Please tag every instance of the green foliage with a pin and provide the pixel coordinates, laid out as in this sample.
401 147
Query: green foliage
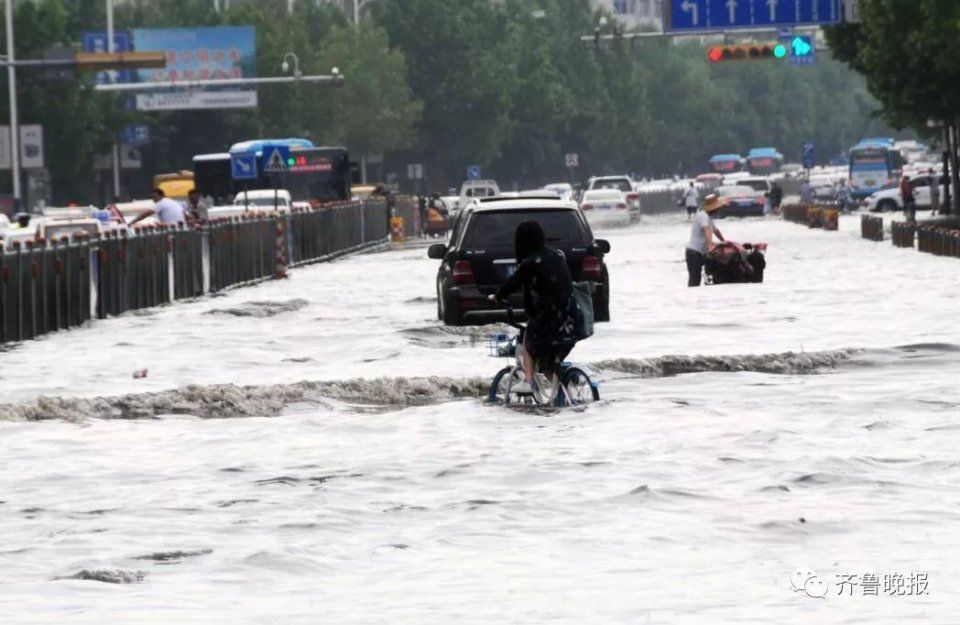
907 50
507 85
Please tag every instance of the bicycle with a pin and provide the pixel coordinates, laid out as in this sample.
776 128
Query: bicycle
556 383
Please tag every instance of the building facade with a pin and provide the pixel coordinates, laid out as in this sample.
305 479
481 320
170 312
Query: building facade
634 13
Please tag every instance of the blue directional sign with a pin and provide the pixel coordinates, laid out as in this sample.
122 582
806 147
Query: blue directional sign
243 166
473 172
801 50
701 15
97 42
807 155
136 134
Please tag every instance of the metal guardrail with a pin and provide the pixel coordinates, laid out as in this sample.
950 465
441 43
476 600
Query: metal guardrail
47 286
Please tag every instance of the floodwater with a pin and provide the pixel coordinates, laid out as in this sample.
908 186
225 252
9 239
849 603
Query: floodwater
744 432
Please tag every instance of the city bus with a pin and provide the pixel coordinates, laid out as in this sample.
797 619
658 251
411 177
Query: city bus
874 164
764 161
726 163
315 175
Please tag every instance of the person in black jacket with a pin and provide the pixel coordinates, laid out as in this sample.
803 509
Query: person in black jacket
547 298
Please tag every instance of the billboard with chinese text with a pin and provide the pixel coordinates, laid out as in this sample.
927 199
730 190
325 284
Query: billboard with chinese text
220 52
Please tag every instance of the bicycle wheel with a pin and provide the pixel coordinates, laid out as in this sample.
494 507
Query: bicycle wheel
500 387
547 388
578 388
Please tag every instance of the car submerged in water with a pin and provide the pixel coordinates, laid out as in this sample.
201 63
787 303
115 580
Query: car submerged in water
480 256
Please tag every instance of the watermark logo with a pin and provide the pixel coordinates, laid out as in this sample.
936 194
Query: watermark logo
806 580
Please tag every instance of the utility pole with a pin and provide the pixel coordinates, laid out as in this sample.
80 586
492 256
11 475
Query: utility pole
115 155
14 121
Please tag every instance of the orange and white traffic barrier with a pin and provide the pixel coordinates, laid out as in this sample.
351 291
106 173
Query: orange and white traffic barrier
396 229
280 270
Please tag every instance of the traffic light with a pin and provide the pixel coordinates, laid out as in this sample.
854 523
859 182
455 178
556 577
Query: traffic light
98 61
747 52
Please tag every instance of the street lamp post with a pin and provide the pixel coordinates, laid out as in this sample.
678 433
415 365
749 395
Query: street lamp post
115 152
14 121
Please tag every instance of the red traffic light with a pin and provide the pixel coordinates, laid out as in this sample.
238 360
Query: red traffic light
746 52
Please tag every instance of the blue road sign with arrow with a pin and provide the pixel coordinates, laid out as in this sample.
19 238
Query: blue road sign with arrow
699 15
807 155
473 172
243 166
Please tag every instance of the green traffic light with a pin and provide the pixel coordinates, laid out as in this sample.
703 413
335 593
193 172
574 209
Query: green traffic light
780 51
291 162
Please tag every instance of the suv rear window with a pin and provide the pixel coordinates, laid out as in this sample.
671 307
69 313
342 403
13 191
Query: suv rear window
496 229
756 185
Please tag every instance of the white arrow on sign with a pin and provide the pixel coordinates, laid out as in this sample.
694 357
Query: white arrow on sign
693 10
732 10
772 5
244 165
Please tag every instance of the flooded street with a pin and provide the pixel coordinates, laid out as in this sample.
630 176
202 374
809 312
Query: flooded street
743 432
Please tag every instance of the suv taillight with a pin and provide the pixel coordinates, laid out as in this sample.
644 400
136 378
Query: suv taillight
586 207
463 272
591 269
633 197
621 205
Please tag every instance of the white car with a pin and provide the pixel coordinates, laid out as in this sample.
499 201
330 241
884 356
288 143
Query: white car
606 207
563 189
624 184
264 199
890 199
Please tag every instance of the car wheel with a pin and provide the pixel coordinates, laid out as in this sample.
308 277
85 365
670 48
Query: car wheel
439 304
601 305
887 205
451 312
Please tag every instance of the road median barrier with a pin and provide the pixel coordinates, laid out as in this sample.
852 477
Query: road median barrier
902 233
871 227
50 285
795 213
939 241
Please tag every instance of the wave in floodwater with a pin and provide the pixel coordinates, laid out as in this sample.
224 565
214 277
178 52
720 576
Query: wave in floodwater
261 309
230 400
788 363
108 576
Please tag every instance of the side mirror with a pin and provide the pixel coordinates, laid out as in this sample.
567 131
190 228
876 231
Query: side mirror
437 251
602 245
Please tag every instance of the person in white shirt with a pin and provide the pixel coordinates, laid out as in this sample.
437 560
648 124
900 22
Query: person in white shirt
702 232
691 199
167 211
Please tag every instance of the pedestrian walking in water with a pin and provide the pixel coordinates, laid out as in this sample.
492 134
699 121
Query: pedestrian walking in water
691 199
776 198
702 231
934 192
909 201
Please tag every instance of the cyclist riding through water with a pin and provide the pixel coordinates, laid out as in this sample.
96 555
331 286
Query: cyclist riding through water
548 300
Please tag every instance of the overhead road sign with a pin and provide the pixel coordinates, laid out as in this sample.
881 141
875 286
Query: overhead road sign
276 158
718 15
801 50
243 166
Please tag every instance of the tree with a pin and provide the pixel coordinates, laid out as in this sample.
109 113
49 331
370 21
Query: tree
907 51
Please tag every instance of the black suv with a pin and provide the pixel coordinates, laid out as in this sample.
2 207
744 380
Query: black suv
480 256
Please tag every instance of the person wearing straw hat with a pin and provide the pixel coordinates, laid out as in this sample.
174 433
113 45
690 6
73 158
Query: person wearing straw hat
702 231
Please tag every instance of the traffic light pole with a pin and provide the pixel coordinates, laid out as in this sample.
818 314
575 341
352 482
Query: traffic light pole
14 120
